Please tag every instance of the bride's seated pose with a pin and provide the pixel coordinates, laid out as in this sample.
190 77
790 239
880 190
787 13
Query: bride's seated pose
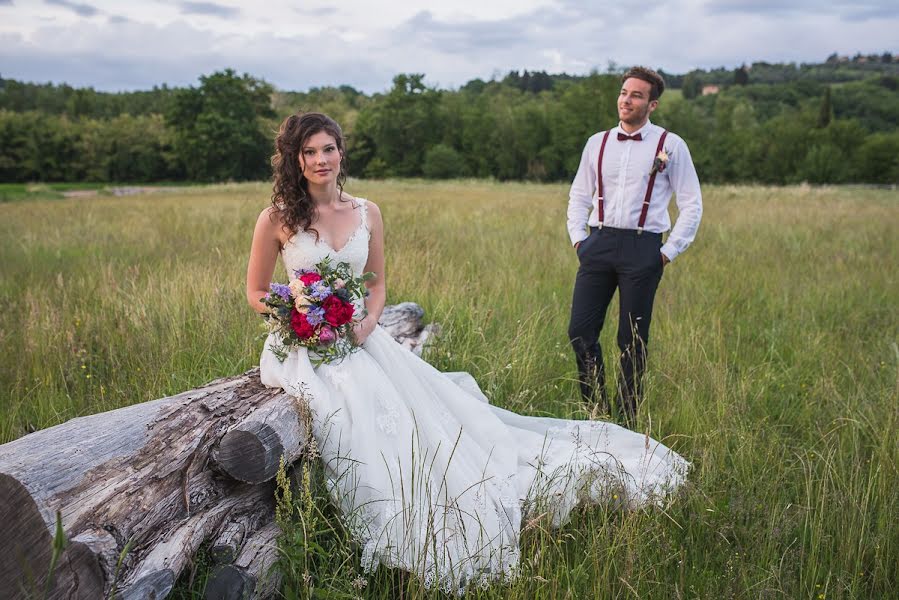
429 477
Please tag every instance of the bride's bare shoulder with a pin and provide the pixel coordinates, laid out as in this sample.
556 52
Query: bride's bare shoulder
271 224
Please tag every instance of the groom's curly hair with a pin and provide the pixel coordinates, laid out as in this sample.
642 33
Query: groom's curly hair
649 76
291 202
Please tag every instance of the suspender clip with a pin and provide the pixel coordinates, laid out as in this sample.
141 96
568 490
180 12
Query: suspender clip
639 230
599 226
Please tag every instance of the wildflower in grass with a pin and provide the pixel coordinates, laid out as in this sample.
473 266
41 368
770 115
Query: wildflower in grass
360 583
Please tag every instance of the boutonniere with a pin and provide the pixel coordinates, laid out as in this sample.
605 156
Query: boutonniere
660 162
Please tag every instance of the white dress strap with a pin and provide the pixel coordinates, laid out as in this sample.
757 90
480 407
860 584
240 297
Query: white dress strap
363 206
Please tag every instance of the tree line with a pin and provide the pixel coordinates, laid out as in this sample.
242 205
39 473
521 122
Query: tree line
525 126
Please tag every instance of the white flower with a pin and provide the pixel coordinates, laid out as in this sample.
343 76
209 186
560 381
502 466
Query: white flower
297 288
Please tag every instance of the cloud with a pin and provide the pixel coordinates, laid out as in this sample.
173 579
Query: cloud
319 11
209 9
463 36
850 10
177 54
83 10
451 48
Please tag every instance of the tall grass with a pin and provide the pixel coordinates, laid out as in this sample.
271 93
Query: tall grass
773 364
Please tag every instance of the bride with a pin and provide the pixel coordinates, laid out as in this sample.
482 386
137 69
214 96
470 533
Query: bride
431 478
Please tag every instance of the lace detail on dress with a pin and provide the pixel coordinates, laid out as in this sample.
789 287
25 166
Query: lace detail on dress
303 250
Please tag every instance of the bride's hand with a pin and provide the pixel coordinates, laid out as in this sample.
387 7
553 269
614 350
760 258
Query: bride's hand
362 330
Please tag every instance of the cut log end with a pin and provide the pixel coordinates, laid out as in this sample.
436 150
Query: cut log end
28 550
28 541
228 582
251 455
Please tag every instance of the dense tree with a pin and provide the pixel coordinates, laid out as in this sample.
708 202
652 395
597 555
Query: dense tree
443 162
218 127
692 86
825 114
402 124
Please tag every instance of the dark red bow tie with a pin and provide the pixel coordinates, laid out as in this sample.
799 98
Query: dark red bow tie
623 137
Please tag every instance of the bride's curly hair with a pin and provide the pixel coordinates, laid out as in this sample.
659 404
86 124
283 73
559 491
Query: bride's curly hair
291 202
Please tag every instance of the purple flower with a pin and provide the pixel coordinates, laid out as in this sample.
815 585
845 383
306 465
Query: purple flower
320 290
281 290
315 315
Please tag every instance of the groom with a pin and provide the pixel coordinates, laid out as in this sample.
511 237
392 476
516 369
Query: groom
617 212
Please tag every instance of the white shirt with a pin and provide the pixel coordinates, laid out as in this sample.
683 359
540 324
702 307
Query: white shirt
625 174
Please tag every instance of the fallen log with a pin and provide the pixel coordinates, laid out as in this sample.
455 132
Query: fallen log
122 475
141 478
253 449
156 574
227 545
403 322
251 575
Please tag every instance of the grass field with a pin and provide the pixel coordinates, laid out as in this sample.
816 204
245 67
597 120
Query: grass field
773 364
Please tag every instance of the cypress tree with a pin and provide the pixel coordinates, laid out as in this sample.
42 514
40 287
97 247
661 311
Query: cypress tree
826 113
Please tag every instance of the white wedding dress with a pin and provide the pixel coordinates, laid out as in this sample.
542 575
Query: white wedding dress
435 480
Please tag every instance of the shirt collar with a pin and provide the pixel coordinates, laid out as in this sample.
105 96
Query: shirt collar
644 131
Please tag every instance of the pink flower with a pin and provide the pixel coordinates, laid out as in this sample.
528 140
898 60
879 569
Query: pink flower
326 336
310 278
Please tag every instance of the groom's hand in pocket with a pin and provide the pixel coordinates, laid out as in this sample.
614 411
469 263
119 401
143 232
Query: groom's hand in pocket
665 259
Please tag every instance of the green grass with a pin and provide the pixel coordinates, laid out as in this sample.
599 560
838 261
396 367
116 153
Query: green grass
773 364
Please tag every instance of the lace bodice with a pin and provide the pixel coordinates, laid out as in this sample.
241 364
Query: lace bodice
303 251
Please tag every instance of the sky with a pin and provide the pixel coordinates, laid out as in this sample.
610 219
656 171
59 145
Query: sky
114 46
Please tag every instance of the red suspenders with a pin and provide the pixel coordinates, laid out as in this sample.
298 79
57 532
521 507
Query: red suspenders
649 186
602 149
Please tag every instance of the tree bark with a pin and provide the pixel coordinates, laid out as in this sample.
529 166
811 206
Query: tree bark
121 475
251 575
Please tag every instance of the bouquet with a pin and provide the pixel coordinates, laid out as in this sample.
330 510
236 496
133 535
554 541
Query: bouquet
317 310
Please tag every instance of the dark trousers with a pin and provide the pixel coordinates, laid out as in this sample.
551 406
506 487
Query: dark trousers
614 258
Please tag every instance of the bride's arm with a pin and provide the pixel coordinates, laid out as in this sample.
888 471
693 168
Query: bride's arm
377 287
263 255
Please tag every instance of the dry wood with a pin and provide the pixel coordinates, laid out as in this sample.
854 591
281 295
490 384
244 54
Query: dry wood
155 575
252 450
241 525
251 575
127 473
403 321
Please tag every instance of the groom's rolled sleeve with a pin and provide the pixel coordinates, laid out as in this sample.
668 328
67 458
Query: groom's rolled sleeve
685 184
580 198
